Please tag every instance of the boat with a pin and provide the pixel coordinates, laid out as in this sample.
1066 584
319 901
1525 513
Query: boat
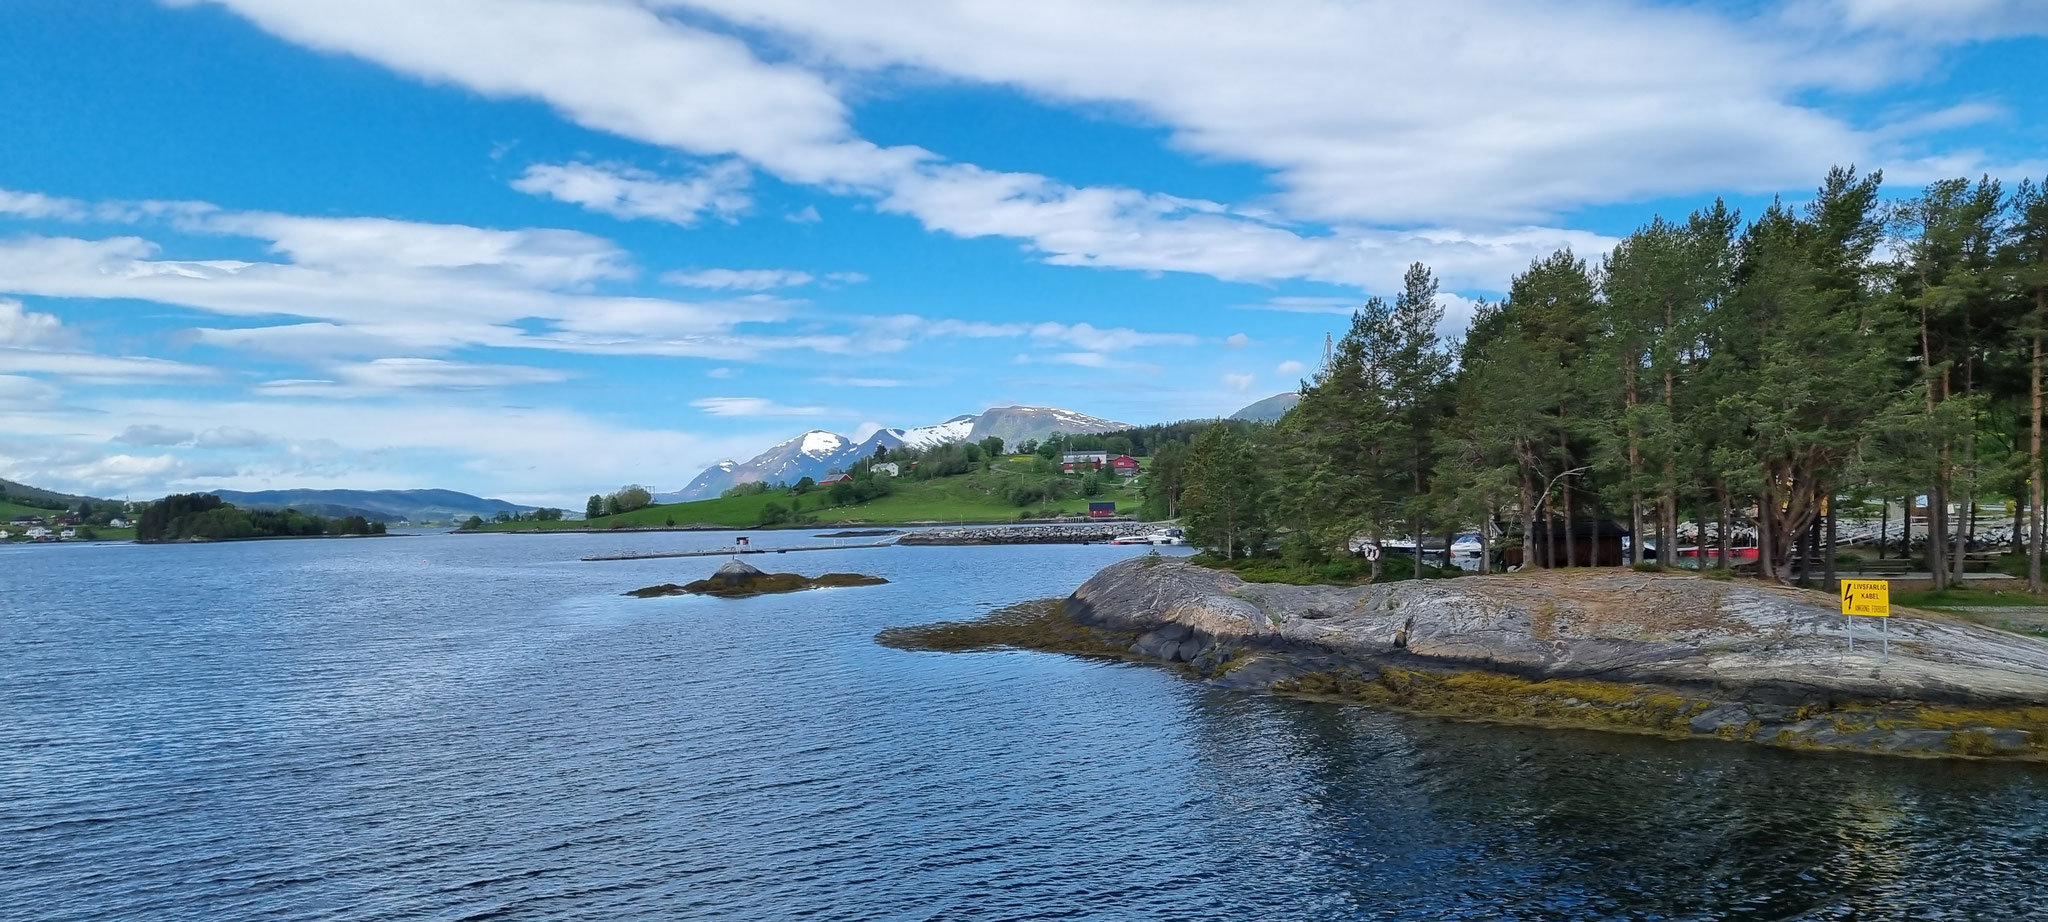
1162 537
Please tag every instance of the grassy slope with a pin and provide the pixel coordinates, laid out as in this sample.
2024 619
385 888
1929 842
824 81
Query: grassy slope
976 497
10 510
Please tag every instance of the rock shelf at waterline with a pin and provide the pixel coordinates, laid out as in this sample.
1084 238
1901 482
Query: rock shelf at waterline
737 579
1675 655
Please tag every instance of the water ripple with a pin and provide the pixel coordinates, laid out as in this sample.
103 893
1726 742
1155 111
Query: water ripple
481 728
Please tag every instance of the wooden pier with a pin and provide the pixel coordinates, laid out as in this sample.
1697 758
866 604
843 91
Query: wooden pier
736 551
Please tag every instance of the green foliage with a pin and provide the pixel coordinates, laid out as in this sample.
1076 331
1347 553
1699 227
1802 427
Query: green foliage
1229 495
203 516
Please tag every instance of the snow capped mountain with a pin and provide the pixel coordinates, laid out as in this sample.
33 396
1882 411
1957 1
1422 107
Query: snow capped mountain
815 453
952 430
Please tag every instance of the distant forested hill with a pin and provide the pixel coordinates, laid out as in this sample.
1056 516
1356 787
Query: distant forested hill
378 505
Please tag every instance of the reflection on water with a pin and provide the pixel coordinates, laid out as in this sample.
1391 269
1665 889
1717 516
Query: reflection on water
478 727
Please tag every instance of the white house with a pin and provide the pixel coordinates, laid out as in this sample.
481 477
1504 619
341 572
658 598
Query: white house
5 534
887 467
37 533
68 534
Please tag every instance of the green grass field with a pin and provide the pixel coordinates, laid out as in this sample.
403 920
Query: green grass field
975 498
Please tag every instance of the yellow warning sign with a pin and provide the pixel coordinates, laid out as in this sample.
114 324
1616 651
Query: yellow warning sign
1871 597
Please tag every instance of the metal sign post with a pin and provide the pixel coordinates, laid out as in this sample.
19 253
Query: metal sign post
1869 598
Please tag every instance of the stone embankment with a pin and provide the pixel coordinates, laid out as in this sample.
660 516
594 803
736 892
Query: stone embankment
1023 534
1608 649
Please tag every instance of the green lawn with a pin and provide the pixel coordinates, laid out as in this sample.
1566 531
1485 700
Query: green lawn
1968 598
10 510
979 497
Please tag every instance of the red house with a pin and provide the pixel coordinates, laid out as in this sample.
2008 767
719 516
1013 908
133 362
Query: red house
835 477
1125 465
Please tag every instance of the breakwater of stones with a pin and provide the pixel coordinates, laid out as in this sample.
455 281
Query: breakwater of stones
1021 534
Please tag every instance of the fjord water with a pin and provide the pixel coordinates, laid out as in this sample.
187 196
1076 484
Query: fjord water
482 727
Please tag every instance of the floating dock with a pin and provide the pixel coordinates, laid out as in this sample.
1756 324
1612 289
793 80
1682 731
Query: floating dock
731 551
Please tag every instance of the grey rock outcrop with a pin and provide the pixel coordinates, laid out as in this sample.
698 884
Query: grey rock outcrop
1740 641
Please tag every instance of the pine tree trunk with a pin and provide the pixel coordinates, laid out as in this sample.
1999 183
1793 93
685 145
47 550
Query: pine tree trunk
1528 519
1937 535
1571 556
1766 552
1486 544
1667 505
1828 553
2034 528
1721 533
1635 467
1884 524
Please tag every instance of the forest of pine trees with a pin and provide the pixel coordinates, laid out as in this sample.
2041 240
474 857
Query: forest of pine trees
1721 370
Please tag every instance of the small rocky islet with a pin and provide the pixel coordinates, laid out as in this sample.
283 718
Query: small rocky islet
737 579
1670 654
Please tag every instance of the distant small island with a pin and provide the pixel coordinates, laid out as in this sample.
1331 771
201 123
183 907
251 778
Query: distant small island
738 580
206 517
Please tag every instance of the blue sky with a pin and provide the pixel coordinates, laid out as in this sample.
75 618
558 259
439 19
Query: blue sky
541 248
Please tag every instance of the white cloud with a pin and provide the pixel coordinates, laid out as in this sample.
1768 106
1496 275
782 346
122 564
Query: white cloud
1295 304
617 67
805 215
628 193
1290 368
754 406
720 373
99 369
20 394
838 381
743 279
1944 20
232 437
477 444
1239 382
149 436
1480 109
20 327
1237 340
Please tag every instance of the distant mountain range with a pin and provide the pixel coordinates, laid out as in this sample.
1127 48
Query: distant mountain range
1269 409
376 505
815 453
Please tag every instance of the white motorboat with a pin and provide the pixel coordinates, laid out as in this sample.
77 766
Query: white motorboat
1162 537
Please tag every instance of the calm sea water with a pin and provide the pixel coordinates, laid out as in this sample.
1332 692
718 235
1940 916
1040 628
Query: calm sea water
481 727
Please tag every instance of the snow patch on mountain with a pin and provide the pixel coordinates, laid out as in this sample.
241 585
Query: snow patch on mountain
818 443
952 430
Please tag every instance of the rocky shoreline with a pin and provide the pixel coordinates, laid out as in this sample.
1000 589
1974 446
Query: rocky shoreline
1674 655
1022 534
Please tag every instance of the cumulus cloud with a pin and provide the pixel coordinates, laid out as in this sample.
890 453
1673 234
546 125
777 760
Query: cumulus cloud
1237 340
22 328
628 193
1239 382
1290 368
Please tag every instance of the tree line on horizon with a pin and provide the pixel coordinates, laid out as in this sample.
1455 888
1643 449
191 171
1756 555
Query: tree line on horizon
1708 369
187 516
